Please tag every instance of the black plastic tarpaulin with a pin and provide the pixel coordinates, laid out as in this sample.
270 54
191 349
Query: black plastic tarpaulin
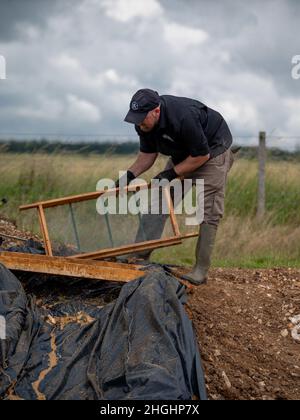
141 346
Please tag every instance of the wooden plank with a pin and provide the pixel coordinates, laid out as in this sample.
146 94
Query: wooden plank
142 246
190 235
47 259
172 212
78 198
127 249
69 267
16 238
44 229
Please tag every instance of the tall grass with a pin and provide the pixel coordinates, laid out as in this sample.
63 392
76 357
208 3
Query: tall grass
242 241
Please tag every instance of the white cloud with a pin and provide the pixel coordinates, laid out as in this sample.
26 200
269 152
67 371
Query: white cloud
240 113
82 110
125 10
112 76
181 37
66 62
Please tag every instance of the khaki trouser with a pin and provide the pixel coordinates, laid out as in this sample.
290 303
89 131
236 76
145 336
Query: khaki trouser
214 173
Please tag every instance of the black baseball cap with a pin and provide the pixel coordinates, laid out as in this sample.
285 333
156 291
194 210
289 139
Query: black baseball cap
142 102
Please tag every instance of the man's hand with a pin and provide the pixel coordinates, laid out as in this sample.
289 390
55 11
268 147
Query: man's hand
125 180
169 175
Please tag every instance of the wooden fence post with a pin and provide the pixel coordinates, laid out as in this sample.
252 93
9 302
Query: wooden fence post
262 156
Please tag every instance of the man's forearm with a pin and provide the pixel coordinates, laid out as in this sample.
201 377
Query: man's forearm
190 164
143 163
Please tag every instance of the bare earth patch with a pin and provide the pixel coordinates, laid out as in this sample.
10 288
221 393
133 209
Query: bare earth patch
246 336
14 235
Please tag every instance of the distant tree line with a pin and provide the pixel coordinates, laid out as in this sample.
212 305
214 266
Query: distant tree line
45 146
272 154
83 148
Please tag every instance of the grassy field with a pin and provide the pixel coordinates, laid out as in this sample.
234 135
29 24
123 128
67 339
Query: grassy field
242 240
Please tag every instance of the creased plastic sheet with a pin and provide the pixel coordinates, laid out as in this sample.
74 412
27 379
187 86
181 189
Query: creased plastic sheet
139 346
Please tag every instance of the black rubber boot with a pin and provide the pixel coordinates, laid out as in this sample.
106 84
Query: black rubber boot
204 249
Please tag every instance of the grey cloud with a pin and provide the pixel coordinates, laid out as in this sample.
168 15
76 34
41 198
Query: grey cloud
262 36
243 69
14 12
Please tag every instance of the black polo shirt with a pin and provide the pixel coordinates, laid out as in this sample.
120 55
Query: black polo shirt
186 128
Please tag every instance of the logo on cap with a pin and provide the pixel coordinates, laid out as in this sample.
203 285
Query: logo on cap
134 106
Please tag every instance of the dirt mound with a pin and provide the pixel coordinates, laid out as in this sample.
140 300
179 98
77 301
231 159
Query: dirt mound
247 339
11 236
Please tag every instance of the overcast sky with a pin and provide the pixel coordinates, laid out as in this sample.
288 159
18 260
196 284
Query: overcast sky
73 65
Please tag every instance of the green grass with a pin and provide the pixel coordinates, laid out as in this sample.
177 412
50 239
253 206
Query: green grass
242 241
258 263
282 192
183 255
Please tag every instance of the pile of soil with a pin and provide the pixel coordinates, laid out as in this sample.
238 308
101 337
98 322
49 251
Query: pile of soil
248 342
11 236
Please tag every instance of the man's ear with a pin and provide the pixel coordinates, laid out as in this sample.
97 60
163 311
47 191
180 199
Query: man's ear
157 111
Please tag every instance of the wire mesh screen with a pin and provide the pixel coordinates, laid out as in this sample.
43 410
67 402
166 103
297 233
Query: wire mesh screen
79 228
189 211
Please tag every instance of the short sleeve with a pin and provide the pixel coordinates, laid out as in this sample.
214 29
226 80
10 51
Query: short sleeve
193 135
147 142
